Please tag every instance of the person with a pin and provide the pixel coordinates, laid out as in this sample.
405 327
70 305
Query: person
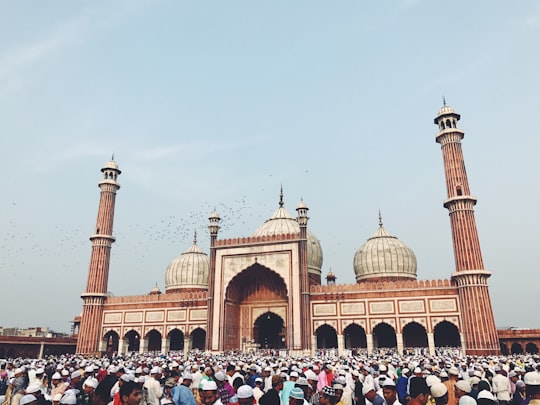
245 395
296 396
338 390
372 398
130 393
35 390
520 395
28 399
453 375
257 391
501 386
182 394
486 398
402 385
154 391
418 391
390 393
58 386
325 377
328 396
439 393
88 392
209 393
288 386
532 382
272 396
224 393
303 384
462 388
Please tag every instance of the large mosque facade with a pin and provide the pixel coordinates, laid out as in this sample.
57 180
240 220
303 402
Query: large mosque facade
266 290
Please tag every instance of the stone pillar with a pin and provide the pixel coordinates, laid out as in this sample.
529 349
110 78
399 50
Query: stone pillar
399 340
431 343
165 345
143 345
313 344
463 345
340 344
41 349
121 344
187 344
369 340
102 345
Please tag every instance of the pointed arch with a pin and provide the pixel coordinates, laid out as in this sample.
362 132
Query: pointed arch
112 340
446 334
133 340
256 281
198 338
326 337
414 335
531 348
154 340
176 339
355 336
516 348
384 335
269 331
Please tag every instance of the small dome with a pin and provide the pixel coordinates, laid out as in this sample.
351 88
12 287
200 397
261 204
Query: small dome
384 256
155 291
446 109
111 164
282 223
188 271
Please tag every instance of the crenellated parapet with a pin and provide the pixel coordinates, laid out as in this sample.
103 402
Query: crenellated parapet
169 297
382 286
251 240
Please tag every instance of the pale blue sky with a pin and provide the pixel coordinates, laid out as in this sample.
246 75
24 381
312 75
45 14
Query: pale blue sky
216 103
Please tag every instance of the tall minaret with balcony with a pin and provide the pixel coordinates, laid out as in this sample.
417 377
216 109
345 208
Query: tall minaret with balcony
478 324
98 273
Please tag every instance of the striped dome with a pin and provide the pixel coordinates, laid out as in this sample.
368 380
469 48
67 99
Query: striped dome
188 271
384 256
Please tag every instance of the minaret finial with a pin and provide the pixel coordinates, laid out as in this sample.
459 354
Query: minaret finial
380 219
281 196
444 101
195 237
112 157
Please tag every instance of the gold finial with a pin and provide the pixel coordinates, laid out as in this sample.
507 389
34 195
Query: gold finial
380 219
281 196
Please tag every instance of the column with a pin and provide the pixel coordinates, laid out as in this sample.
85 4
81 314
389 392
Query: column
313 344
102 345
187 344
143 345
340 344
399 340
369 339
41 349
165 345
463 345
121 343
431 343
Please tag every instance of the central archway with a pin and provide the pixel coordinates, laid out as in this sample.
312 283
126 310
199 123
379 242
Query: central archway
384 336
269 331
250 289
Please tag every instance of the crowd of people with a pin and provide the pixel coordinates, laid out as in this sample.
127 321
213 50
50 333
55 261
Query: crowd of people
253 379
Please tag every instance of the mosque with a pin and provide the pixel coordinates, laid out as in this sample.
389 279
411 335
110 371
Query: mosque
266 290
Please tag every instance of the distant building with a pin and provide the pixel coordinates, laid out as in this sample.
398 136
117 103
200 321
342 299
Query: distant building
265 290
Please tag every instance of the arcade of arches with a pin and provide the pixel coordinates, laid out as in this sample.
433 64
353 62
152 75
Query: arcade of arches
413 336
256 306
153 341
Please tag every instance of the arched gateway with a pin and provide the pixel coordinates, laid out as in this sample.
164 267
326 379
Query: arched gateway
256 305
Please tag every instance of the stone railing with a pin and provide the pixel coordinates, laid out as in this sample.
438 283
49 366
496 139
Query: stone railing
382 286
168 297
257 239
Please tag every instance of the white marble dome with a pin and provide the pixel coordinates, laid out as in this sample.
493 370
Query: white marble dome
188 271
383 256
282 223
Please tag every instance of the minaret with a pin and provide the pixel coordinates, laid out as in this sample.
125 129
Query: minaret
98 273
213 227
478 324
305 312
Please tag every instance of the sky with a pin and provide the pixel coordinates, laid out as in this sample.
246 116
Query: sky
216 104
